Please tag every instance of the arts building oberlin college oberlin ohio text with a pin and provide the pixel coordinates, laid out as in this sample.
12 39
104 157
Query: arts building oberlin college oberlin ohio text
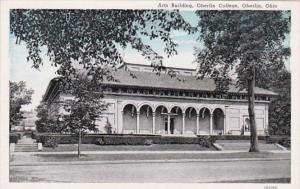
216 5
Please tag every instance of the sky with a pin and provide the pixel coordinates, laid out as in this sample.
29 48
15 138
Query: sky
38 80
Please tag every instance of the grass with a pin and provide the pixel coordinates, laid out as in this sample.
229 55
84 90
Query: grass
114 157
153 147
272 180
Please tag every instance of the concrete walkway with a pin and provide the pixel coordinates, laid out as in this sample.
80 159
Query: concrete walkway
150 152
143 161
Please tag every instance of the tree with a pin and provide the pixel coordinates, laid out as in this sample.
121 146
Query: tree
85 107
45 123
246 43
280 106
91 38
19 95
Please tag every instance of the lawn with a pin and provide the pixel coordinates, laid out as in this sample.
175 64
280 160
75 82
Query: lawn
147 156
153 147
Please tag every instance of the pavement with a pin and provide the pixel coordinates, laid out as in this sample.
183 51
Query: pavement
154 172
127 157
150 166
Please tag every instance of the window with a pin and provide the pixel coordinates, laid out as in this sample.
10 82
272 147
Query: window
115 90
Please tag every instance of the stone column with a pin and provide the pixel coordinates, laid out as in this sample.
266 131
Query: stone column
183 123
169 122
211 124
153 122
224 125
120 126
197 132
137 122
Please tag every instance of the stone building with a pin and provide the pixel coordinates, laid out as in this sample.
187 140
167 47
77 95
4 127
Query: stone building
143 102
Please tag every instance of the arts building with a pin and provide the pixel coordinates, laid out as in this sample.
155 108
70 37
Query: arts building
147 103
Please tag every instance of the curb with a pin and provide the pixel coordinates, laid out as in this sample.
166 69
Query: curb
147 152
147 161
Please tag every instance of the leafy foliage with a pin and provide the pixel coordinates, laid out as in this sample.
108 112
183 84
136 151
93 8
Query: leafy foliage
45 123
244 44
236 41
86 106
280 106
19 96
91 37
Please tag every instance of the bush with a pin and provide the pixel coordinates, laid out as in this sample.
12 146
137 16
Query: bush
50 142
205 141
148 142
100 141
33 134
286 142
119 139
13 138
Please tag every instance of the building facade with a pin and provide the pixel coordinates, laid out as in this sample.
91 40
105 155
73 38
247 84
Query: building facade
143 102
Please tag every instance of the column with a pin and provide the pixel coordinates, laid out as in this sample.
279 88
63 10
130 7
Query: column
169 122
211 124
137 122
153 122
224 125
183 123
120 122
197 132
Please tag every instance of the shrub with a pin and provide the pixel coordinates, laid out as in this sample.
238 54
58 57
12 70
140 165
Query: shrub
148 142
205 141
13 138
100 141
50 142
33 134
286 142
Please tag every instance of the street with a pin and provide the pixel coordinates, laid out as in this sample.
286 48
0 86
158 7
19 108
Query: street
184 172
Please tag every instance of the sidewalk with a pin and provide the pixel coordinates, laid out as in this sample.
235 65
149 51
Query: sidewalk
126 157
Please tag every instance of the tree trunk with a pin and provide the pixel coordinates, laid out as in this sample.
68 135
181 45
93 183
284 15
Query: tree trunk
251 111
79 142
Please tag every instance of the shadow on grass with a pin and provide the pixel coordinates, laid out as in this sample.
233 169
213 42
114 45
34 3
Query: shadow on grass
273 180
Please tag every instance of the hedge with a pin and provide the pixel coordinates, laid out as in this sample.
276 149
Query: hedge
119 139
236 137
13 138
283 140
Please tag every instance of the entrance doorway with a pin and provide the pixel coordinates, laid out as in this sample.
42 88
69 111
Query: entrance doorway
171 125
246 126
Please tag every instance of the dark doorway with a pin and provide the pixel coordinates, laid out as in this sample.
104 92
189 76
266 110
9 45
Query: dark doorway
171 125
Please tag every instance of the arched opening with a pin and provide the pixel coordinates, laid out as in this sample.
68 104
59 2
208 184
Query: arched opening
204 121
176 120
129 119
146 120
218 121
190 121
161 113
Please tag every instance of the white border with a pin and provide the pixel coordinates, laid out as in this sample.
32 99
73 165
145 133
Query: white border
294 6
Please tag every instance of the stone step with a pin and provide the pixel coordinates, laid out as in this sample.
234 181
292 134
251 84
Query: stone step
26 145
27 150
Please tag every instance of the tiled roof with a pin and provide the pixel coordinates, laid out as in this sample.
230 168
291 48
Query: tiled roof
164 81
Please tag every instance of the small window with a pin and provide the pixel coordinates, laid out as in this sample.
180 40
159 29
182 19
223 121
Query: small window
115 90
